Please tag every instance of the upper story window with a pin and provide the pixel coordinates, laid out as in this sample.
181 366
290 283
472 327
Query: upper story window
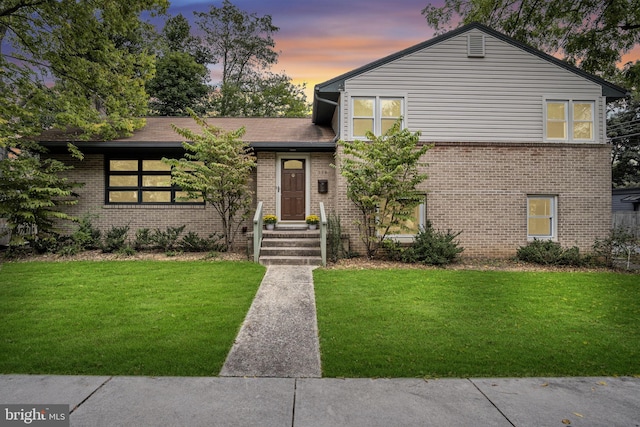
142 181
374 114
569 120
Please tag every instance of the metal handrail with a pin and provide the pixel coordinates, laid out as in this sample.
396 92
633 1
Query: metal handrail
323 234
257 233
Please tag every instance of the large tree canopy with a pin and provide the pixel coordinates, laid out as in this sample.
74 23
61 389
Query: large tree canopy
73 63
242 46
592 34
64 63
181 79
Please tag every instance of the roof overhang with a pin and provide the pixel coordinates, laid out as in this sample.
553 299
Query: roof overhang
163 146
633 198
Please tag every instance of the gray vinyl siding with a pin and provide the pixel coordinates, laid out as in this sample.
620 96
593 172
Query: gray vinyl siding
453 98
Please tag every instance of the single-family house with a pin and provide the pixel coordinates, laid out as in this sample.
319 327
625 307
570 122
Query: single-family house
519 149
625 199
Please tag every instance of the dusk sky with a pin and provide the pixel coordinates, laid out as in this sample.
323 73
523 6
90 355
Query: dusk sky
322 39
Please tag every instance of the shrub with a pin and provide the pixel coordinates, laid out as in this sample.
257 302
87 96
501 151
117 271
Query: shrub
335 250
87 236
115 239
548 252
393 249
192 242
44 243
621 242
167 240
143 239
158 239
433 247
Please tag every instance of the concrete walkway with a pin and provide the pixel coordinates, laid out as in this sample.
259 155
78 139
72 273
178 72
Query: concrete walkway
286 402
279 336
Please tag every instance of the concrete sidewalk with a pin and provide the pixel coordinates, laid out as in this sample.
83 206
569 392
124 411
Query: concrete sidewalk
279 336
198 401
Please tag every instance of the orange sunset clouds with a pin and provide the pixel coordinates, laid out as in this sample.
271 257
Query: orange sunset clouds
321 40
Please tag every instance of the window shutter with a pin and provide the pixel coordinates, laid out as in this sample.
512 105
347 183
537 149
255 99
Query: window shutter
475 45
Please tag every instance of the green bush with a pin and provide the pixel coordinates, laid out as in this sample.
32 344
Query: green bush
87 236
143 239
157 239
192 242
548 252
115 239
44 243
335 250
167 240
621 243
393 250
433 247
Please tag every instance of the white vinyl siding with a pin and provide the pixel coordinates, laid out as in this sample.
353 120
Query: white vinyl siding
454 98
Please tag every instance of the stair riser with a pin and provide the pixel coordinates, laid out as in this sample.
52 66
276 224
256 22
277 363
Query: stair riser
288 261
290 243
290 251
290 248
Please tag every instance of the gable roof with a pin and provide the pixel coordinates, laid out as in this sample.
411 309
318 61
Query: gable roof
260 133
326 94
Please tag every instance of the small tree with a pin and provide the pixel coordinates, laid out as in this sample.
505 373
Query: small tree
32 194
216 167
382 175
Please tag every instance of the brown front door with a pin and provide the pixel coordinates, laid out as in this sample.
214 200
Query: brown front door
293 191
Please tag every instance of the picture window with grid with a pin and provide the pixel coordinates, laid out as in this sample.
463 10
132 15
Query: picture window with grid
142 181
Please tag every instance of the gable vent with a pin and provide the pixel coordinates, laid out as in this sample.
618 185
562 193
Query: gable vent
475 45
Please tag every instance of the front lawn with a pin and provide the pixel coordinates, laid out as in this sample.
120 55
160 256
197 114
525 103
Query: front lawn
439 323
122 317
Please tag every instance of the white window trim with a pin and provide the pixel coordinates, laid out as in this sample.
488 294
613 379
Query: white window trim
570 101
377 119
554 217
409 238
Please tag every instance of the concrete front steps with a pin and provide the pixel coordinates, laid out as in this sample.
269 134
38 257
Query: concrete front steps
290 247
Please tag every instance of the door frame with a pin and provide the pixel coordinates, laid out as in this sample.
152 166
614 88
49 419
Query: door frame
307 181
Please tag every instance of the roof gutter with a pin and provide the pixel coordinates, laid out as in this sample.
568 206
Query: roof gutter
156 145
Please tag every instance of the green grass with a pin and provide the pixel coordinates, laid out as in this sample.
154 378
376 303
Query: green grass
122 317
438 323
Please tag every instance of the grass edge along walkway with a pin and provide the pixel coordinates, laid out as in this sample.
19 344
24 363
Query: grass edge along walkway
439 323
122 317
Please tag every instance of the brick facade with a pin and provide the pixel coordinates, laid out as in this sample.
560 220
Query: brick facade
479 189
199 219
482 189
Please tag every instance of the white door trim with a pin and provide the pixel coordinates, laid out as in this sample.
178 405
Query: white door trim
307 179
